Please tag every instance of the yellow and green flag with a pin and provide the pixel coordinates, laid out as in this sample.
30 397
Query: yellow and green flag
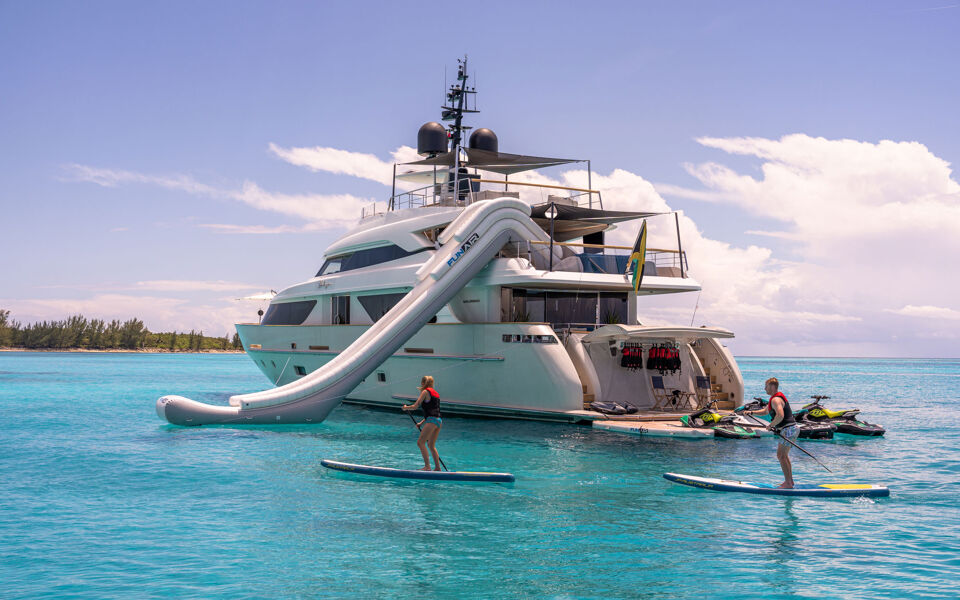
637 257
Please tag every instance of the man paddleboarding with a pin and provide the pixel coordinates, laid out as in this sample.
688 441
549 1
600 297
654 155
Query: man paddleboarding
430 426
783 423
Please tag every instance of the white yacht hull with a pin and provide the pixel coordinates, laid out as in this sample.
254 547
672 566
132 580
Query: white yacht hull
476 371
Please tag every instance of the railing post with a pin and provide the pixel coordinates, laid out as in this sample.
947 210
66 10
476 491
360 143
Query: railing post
553 217
393 189
590 183
676 218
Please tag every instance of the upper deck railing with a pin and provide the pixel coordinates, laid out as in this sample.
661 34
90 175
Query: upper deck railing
442 194
607 259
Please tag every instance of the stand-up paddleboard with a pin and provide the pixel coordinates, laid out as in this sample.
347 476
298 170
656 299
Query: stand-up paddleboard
828 490
474 476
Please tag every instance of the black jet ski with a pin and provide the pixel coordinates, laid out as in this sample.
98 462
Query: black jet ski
613 408
845 421
809 430
724 426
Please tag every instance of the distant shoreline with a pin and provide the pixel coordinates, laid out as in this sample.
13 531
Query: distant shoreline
123 350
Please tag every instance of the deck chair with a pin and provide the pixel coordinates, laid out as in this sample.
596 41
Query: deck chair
667 399
704 395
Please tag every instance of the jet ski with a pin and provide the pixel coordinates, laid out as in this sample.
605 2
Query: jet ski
613 408
724 426
809 430
845 421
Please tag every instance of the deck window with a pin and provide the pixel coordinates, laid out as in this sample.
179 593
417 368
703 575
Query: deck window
341 310
331 266
613 308
288 313
364 258
300 370
378 305
581 308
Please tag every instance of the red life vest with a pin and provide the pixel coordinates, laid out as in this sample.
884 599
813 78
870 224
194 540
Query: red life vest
787 412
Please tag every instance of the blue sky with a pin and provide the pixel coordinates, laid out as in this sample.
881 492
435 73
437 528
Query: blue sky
201 90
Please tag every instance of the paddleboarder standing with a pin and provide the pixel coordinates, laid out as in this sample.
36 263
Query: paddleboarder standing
429 401
783 423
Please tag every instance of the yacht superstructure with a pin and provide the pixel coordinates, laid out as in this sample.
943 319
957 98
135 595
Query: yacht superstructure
516 307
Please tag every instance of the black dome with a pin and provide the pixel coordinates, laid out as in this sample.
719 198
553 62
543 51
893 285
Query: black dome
431 139
484 139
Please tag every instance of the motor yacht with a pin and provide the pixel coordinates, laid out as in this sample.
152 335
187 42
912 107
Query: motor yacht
502 289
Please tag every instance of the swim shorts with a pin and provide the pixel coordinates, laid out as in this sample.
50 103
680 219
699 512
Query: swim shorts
791 432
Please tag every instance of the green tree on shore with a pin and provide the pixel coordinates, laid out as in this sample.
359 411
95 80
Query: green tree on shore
95 334
6 328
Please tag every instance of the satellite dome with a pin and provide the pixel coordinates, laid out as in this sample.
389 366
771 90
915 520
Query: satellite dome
484 139
431 139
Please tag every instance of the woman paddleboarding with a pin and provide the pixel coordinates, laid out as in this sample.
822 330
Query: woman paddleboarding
429 401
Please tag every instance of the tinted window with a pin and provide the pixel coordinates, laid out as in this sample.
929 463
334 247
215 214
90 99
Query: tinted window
613 307
563 307
364 258
330 266
571 307
288 313
377 306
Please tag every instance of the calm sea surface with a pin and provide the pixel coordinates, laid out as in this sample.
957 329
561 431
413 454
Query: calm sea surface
100 498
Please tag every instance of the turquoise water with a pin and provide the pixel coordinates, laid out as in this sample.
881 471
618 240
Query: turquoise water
101 499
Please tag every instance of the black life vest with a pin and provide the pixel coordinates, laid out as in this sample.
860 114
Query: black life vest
431 405
788 419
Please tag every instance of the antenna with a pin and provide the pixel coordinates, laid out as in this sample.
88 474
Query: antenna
457 103
453 109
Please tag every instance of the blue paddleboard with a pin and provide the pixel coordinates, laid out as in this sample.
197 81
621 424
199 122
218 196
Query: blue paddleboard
476 476
827 490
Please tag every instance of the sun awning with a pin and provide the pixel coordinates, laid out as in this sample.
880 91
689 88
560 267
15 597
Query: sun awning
572 222
567 212
637 332
507 164
496 162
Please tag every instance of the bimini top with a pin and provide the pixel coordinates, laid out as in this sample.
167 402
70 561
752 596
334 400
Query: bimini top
571 222
497 162
569 212
633 332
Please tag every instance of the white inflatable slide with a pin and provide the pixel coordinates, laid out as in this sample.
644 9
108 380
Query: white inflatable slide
466 246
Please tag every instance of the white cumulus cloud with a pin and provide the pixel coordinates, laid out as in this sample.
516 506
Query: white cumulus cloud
927 312
871 225
319 211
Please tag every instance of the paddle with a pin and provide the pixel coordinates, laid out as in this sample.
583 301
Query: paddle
779 435
417 425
